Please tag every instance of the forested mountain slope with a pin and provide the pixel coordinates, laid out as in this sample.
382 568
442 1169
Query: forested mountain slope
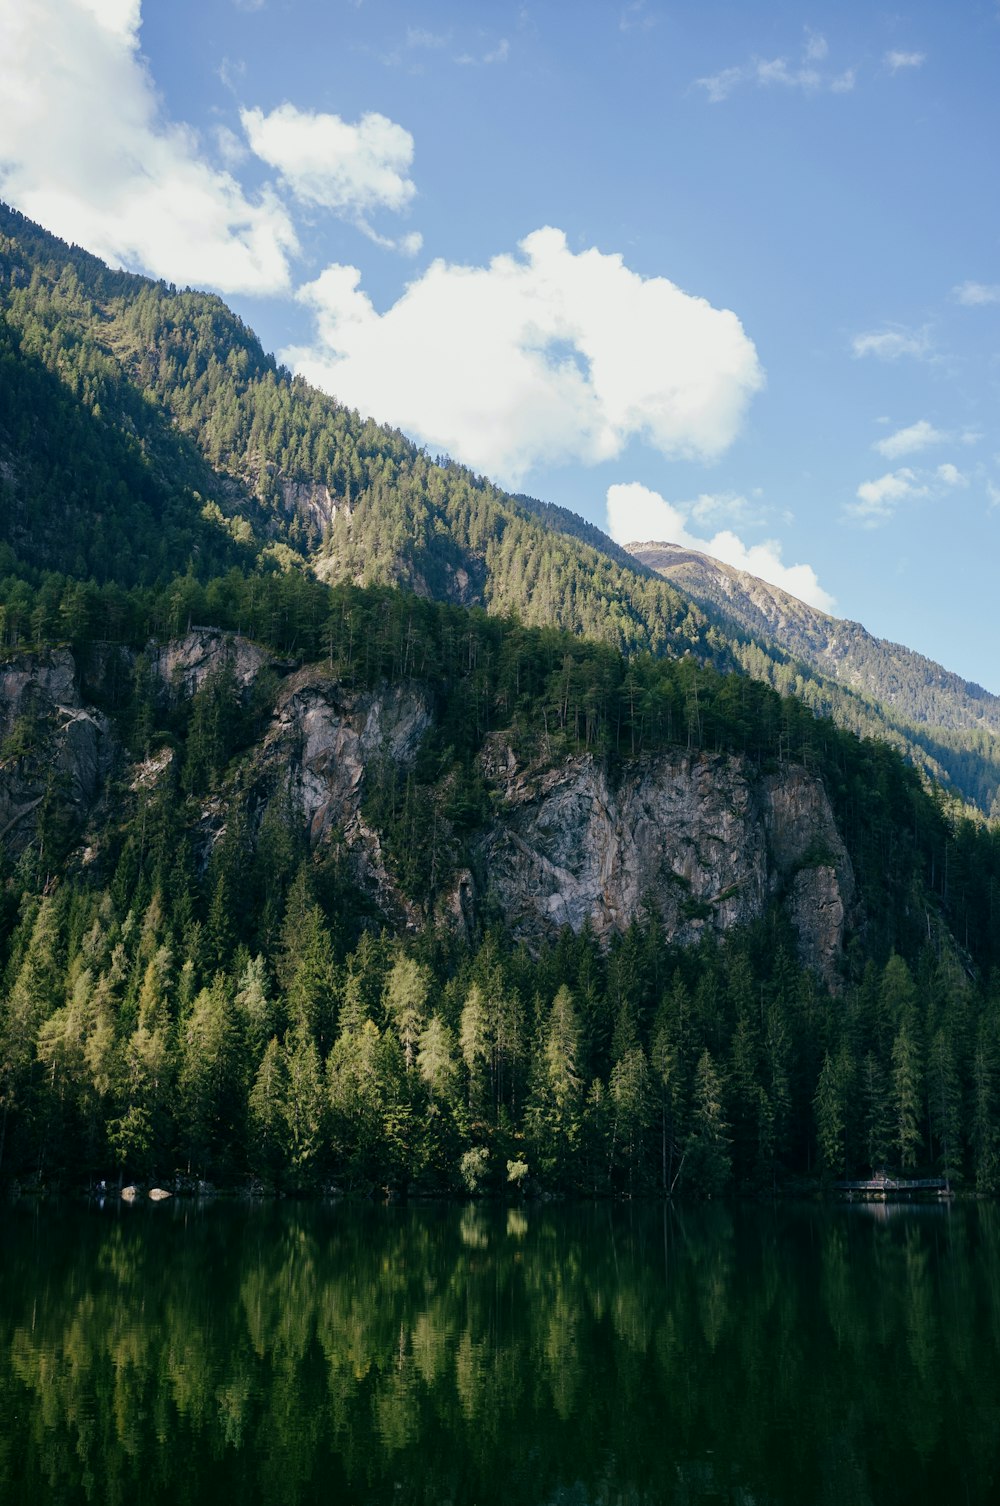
465 905
309 877
223 449
145 434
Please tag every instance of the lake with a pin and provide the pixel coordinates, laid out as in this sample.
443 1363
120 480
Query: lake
562 1354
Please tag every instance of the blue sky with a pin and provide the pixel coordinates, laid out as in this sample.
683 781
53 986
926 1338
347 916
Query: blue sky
721 273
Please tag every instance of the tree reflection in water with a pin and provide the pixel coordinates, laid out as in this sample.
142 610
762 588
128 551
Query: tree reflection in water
573 1355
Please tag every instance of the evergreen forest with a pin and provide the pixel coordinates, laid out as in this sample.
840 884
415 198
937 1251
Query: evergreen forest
192 991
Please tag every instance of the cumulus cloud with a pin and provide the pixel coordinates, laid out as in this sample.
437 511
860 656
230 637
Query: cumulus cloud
950 475
327 163
894 61
890 344
535 359
918 436
85 149
974 294
636 514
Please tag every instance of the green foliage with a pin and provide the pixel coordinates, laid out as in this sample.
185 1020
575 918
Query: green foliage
229 1003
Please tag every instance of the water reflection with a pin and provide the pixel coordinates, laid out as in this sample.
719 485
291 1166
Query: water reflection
486 1354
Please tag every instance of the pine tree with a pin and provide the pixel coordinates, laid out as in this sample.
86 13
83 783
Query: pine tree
709 1165
906 1098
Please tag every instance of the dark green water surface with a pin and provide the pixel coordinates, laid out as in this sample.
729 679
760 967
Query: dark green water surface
330 1353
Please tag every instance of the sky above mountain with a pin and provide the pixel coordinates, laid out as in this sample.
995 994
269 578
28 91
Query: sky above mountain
726 275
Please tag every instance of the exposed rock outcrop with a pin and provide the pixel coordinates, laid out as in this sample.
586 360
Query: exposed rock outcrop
321 746
54 750
704 841
184 664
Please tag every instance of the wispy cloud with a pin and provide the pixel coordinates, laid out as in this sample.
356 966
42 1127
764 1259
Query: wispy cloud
803 72
890 344
637 17
922 436
974 294
432 41
915 437
498 54
877 500
895 61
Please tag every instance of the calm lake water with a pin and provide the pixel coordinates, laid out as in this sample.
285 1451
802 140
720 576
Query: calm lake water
572 1355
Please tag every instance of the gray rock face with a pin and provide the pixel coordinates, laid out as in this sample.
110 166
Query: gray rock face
704 841
184 664
53 745
319 750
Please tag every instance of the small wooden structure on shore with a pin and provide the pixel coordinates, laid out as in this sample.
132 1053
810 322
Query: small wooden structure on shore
881 1185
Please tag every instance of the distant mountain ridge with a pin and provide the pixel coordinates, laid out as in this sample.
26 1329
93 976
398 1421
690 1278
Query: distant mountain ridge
889 672
917 696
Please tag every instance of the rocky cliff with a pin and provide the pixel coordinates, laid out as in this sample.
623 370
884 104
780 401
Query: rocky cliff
55 752
704 841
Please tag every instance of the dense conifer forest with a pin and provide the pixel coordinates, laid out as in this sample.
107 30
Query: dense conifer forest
237 1010
239 1013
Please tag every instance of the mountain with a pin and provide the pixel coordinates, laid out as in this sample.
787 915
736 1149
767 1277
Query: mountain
925 708
144 430
144 434
460 902
363 824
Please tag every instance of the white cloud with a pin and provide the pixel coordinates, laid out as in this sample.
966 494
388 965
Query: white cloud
498 54
729 507
231 149
538 359
327 163
719 86
894 61
974 294
803 73
993 492
85 149
637 17
417 36
844 82
918 436
636 515
890 344
878 500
